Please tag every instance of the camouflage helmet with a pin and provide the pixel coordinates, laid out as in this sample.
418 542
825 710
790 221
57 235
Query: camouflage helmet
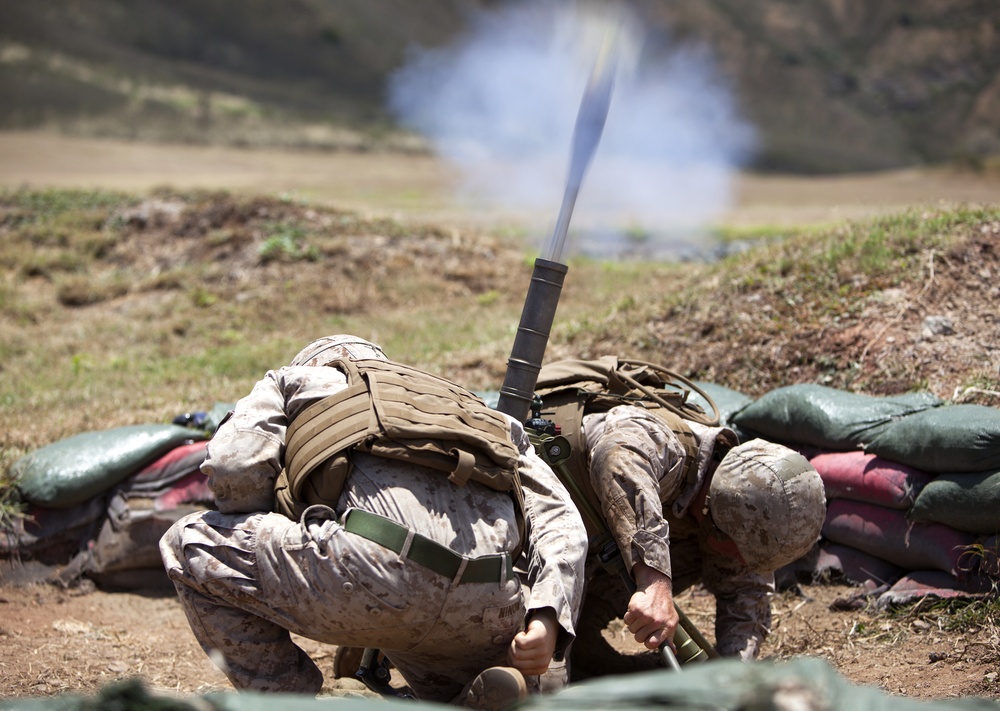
329 348
770 501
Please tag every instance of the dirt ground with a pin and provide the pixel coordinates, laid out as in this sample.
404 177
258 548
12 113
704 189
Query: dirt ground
56 640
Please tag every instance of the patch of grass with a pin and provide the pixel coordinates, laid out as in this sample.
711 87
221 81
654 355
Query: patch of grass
47 263
44 205
487 298
965 616
846 263
755 234
288 243
86 291
11 507
203 298
955 617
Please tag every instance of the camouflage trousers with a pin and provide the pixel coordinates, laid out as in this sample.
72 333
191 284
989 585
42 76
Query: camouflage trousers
247 581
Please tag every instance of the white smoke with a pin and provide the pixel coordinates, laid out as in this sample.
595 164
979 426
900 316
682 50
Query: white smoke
501 102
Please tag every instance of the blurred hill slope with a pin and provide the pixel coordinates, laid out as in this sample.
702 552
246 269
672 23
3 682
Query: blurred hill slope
832 85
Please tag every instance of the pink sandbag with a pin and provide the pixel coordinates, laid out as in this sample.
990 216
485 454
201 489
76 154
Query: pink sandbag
192 489
885 533
865 477
856 566
932 583
173 466
832 562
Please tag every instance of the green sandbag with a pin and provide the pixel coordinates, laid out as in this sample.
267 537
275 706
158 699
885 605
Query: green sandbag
73 470
215 416
728 401
945 440
819 416
733 685
967 502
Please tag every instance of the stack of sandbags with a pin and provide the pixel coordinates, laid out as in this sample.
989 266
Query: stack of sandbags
912 483
124 554
97 503
76 469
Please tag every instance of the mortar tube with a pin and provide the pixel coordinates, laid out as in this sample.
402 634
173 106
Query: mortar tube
525 360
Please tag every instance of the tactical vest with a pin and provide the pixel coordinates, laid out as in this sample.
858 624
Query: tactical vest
570 389
398 412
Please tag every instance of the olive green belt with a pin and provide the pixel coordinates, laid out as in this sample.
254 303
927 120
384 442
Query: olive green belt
428 553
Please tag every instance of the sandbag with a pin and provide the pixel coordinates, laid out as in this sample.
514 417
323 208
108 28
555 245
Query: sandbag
944 440
856 566
160 476
932 583
125 554
969 502
732 685
722 685
727 400
887 534
52 535
72 470
831 562
859 476
819 416
192 489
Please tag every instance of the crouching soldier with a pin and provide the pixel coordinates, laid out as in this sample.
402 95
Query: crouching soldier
365 503
684 502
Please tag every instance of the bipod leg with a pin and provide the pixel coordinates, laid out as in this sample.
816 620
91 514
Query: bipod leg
374 673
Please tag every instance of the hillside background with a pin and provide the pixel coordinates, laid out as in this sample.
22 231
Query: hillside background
830 85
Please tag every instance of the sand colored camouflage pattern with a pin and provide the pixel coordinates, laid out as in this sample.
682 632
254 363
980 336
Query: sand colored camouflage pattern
324 351
770 500
246 577
637 470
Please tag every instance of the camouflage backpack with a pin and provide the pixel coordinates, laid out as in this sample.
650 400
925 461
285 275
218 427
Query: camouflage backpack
569 389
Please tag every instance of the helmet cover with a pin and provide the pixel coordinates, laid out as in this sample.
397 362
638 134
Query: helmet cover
770 501
324 351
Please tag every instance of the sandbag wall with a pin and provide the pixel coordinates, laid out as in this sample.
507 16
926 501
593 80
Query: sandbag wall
912 483
97 503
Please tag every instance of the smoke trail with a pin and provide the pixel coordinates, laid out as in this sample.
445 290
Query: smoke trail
500 104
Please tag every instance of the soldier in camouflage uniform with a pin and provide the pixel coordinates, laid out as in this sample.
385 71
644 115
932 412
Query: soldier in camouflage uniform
730 520
247 576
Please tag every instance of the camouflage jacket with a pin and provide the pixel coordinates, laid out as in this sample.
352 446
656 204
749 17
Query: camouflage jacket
637 470
245 457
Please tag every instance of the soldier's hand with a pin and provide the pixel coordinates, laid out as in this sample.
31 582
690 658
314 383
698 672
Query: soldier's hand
531 650
651 616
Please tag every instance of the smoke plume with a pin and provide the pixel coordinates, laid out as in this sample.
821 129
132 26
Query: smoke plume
500 103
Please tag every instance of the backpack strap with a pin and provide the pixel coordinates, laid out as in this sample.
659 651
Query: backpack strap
326 427
566 409
682 430
320 437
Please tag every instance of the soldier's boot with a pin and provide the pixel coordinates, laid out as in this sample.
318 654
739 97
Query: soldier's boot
495 689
